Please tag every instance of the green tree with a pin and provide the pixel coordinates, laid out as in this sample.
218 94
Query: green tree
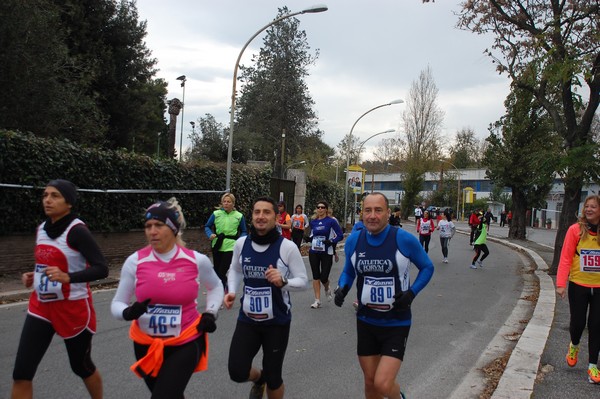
275 97
464 151
561 40
81 70
210 140
522 155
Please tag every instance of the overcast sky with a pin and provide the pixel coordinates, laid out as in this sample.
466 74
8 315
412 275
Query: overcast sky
371 51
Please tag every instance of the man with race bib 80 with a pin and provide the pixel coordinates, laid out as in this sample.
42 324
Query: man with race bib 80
270 267
379 257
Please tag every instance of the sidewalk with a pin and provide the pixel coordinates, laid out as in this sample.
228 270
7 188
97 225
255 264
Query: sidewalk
537 366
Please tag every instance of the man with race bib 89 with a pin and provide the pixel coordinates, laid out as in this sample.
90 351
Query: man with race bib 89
270 267
379 258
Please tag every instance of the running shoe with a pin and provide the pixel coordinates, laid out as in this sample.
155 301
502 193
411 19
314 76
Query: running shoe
355 305
594 375
572 355
473 266
316 304
329 294
445 260
257 391
480 263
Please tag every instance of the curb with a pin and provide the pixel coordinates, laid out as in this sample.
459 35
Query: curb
518 378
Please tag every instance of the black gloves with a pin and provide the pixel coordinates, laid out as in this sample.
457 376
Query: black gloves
134 311
403 300
327 242
339 295
207 323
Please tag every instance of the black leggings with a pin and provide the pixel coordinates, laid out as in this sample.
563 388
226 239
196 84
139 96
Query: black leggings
222 261
245 344
479 248
580 299
35 340
177 368
320 265
424 240
444 243
297 236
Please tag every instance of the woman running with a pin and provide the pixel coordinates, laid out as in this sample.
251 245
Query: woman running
425 227
67 258
580 265
299 223
447 230
168 333
480 243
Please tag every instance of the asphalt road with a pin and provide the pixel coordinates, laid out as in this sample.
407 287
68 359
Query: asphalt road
459 323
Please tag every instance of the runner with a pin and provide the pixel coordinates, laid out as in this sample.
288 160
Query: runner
270 267
580 264
168 333
223 227
299 223
284 222
425 227
67 258
325 232
447 230
480 243
473 224
385 294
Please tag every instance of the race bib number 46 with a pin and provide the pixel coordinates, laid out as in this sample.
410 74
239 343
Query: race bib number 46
161 320
589 261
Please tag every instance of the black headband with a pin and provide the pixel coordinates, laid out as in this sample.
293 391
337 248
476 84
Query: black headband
161 211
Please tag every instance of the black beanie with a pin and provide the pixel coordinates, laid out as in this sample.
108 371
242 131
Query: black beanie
66 188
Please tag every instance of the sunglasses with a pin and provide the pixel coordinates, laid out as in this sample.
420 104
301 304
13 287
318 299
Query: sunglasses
321 207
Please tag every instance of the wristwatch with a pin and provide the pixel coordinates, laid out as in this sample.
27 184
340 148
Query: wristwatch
283 280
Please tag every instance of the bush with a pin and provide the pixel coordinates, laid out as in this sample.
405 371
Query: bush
28 160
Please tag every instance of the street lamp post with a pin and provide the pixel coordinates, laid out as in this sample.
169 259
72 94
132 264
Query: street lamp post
314 9
458 185
369 138
183 80
348 154
193 134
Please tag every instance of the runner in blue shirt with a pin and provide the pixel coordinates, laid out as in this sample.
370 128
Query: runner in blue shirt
379 257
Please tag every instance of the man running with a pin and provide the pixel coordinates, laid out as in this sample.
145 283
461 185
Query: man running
380 257
270 267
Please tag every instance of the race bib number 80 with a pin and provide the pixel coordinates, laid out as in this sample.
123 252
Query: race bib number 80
258 303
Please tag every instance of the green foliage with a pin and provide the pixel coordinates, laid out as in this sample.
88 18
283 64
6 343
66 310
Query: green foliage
81 70
275 97
29 160
325 190
413 185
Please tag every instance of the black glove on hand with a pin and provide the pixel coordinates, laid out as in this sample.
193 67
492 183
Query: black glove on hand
340 293
207 323
134 311
403 300
327 242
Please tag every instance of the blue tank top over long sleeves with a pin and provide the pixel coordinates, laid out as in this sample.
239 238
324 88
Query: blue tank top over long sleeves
324 229
262 302
382 264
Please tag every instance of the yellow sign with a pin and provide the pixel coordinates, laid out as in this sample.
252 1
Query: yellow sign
356 179
468 195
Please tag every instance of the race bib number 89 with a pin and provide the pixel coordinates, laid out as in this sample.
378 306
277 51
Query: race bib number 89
378 293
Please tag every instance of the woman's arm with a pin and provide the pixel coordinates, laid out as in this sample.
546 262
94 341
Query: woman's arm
81 239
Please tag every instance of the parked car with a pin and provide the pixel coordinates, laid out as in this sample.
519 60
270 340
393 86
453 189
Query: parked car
433 211
445 209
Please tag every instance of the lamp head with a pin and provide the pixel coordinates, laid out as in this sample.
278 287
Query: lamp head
315 9
390 131
301 162
193 124
182 78
398 101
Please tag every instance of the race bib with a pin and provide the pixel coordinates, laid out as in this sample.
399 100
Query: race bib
378 293
161 320
318 244
297 224
258 303
47 291
589 260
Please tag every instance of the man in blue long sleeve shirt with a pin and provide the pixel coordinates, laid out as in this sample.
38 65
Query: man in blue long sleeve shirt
379 258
